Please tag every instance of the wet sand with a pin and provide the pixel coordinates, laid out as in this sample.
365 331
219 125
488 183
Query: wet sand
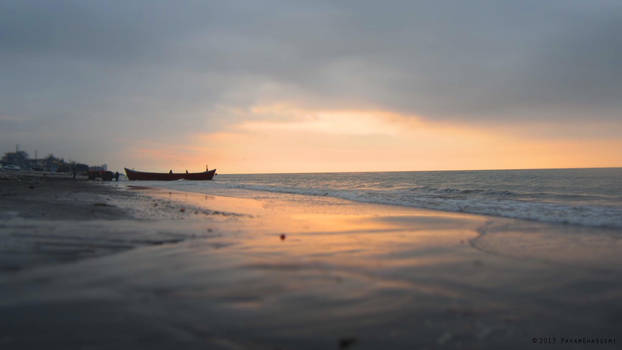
149 268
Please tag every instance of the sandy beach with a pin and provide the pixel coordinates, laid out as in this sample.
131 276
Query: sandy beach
122 266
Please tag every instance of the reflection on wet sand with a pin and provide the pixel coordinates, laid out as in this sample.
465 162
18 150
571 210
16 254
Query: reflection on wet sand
299 272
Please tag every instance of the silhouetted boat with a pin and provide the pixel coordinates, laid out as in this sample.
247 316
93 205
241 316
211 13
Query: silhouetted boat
141 175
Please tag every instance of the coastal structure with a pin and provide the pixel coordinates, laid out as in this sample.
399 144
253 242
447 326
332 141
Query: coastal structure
50 163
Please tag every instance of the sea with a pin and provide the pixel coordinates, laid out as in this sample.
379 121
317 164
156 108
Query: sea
586 197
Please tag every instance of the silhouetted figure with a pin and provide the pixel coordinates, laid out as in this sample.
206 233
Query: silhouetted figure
116 176
73 171
186 171
170 171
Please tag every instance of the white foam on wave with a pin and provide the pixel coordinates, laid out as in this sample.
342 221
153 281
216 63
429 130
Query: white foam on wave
497 205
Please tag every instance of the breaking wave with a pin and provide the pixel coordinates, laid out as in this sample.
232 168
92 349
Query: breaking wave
587 197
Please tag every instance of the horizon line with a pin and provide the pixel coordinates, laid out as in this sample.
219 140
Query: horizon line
414 171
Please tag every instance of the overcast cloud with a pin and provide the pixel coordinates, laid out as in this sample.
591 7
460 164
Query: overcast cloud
98 74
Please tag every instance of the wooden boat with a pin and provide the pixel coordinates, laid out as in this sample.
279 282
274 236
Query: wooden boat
141 175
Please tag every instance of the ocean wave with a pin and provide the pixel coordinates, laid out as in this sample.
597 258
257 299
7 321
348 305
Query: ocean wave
587 197
485 202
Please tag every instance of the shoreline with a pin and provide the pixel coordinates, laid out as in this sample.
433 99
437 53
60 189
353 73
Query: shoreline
51 220
561 203
299 272
566 251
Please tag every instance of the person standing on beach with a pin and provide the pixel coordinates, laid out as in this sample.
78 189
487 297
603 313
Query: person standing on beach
73 171
116 176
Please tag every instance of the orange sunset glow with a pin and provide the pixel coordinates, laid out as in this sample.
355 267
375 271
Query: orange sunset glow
282 138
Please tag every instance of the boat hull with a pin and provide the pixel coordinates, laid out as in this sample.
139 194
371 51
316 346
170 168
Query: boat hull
145 176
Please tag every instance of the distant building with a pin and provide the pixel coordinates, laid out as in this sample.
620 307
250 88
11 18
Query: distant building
49 163
102 167
19 158
81 168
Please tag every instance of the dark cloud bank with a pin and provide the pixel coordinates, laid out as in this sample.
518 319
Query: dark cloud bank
88 72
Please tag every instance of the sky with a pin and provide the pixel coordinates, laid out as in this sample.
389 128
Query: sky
312 86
